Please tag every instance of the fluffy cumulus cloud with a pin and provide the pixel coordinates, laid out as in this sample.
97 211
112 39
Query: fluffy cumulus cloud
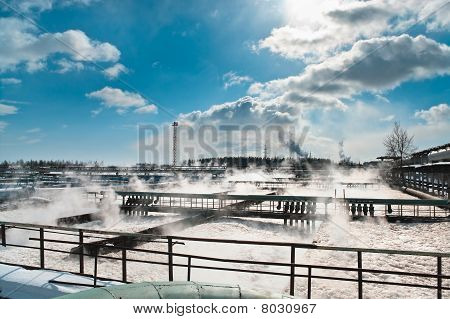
373 65
370 65
316 29
246 110
435 114
23 44
433 126
351 49
7 109
65 66
122 100
232 78
114 71
237 127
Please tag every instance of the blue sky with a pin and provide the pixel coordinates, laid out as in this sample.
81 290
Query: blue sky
58 102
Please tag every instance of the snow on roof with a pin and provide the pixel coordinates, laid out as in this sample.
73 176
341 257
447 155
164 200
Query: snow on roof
432 149
427 164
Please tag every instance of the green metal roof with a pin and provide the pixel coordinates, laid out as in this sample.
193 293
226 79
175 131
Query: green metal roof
172 290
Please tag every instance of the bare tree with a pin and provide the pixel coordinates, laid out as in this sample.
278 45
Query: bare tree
399 143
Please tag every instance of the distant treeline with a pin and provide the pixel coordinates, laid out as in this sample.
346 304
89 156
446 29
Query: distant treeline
237 162
309 163
34 164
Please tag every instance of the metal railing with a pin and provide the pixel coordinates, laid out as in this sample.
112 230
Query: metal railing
148 201
170 241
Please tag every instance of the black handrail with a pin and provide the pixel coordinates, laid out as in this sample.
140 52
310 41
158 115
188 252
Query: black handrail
171 240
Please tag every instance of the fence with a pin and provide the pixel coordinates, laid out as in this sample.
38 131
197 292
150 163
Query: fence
170 241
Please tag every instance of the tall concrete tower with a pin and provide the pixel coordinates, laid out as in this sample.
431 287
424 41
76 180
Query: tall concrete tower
174 146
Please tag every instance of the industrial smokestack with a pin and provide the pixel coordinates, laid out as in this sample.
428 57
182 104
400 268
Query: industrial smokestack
174 155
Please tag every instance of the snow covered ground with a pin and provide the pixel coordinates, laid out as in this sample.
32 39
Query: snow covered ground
382 235
337 231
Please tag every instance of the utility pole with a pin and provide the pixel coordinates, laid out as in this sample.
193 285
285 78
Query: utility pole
174 155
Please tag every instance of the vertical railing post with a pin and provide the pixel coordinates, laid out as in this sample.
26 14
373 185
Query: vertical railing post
309 281
3 235
292 283
360 291
439 279
124 265
95 265
41 246
170 251
189 269
81 245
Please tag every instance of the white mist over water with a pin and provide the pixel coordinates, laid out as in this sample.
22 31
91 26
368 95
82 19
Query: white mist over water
64 203
337 231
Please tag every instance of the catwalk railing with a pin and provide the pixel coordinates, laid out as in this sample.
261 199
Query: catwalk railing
283 206
434 280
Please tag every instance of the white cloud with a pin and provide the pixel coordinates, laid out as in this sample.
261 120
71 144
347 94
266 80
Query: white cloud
231 79
246 110
117 98
120 99
7 109
78 2
317 29
435 114
13 101
387 118
434 128
151 108
238 127
23 44
115 70
438 20
374 65
28 6
371 65
68 66
32 5
10 81
82 48
382 98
